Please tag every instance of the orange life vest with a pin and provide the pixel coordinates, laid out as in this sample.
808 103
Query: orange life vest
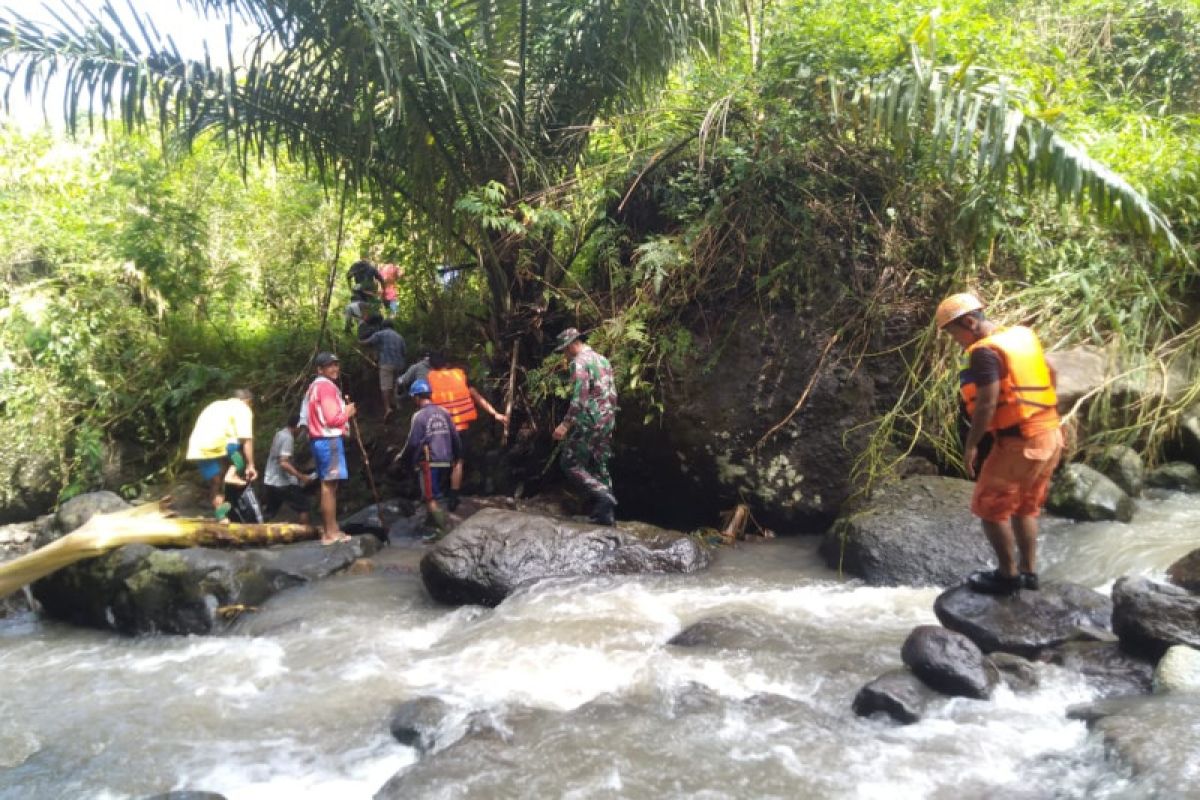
450 391
1027 397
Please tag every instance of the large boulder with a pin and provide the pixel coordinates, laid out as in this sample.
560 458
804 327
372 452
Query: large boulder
141 589
494 552
1158 736
1079 371
1179 476
1080 492
1123 466
899 694
917 532
1151 617
1186 572
1024 623
79 509
731 632
1178 672
947 662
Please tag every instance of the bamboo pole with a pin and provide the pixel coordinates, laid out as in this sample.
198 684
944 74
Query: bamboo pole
512 390
149 524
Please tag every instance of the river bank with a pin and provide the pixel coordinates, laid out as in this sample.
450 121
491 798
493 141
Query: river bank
578 692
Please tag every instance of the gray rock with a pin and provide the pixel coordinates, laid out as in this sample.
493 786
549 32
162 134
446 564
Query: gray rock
1178 672
1019 674
1123 466
899 694
1024 623
494 552
1179 476
917 532
140 589
415 723
1080 492
1151 617
1186 572
79 509
947 662
1110 671
728 632
1158 736
1079 371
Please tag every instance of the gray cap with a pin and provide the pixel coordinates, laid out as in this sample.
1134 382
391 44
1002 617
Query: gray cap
325 359
566 337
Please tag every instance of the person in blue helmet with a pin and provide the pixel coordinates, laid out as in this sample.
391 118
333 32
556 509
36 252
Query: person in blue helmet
433 447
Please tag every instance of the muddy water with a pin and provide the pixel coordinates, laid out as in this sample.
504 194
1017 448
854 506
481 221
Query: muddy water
583 696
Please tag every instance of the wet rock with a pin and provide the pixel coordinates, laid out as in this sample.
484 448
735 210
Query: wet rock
1123 466
415 723
947 662
1178 672
1019 674
1186 572
727 632
1080 371
917 532
899 694
1178 476
1108 669
1024 623
1151 617
1158 736
1080 492
494 552
79 509
377 519
141 589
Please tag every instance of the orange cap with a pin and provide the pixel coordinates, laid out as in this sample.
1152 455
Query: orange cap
954 307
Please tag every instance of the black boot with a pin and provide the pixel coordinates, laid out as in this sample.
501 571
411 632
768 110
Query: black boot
452 500
602 512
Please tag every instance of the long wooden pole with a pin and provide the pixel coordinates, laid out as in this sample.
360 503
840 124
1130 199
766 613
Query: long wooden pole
148 524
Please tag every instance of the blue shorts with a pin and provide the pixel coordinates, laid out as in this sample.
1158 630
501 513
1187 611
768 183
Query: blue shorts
432 479
331 458
211 467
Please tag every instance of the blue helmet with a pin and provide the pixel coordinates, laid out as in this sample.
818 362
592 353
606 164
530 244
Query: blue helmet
419 387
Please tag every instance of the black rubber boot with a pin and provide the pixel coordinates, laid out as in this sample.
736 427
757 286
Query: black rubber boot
993 581
452 500
1029 580
602 512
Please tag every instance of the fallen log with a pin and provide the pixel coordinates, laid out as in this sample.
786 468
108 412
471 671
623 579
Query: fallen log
151 524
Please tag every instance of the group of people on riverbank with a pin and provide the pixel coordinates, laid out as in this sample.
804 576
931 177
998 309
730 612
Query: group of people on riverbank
221 443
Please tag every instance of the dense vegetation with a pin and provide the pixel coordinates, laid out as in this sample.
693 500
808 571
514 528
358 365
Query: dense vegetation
727 155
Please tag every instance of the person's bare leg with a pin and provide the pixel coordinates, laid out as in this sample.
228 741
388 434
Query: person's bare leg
1000 535
456 476
330 531
1026 531
216 490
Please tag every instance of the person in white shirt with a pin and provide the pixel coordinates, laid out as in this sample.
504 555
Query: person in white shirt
284 482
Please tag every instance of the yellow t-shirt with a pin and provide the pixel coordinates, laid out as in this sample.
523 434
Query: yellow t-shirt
219 423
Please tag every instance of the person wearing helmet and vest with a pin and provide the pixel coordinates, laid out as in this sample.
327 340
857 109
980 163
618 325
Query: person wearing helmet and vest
450 390
586 430
1008 388
434 447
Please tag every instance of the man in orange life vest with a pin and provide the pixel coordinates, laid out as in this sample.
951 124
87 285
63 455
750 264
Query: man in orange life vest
449 389
1009 391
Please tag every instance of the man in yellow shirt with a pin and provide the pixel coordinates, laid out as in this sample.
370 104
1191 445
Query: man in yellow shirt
224 431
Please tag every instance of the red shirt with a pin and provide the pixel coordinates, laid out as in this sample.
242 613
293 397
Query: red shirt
326 410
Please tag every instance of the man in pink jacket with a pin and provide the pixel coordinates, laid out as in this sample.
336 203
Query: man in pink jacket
328 415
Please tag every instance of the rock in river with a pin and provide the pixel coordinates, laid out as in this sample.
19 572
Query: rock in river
1080 492
1157 735
1024 623
1186 572
947 662
1151 617
899 694
141 589
494 552
917 532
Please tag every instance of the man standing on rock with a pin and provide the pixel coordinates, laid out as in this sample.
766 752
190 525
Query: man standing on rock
224 431
434 447
1008 388
328 415
586 431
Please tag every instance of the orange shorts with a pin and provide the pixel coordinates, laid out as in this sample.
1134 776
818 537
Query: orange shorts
1015 476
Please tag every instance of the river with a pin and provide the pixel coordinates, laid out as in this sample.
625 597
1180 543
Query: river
583 695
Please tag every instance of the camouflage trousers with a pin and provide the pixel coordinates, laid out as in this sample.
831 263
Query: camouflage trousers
585 455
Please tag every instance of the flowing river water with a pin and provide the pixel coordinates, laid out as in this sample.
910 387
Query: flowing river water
581 694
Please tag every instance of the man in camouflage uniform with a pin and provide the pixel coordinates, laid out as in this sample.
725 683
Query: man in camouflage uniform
586 431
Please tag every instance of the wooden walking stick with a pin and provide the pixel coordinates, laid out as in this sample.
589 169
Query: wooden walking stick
366 459
512 388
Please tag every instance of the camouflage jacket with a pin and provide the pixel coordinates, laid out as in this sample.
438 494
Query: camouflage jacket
593 392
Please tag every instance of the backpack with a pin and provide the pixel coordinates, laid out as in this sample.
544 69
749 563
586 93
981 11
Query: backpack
246 508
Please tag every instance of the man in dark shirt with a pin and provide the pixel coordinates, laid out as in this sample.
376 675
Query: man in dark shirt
390 349
433 447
